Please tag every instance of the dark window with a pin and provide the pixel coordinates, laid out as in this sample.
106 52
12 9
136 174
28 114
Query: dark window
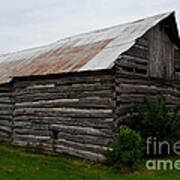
54 134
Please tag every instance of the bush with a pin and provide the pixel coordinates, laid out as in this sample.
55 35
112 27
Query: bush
27 147
156 119
38 148
126 150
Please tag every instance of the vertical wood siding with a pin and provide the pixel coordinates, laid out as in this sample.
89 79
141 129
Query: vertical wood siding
161 54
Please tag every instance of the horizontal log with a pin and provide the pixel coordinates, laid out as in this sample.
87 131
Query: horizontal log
138 52
86 147
34 126
4 113
6 117
80 104
5 100
142 89
130 58
59 119
65 80
91 87
4 135
81 139
5 123
84 122
31 139
86 139
2 95
70 95
143 42
6 108
80 153
122 80
6 105
136 90
134 98
22 142
54 113
5 129
81 130
133 64
131 76
30 132
73 130
4 90
129 71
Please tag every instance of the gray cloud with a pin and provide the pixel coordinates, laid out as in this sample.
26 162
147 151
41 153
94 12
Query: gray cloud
32 23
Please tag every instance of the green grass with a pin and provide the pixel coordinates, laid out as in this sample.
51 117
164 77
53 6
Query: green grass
15 164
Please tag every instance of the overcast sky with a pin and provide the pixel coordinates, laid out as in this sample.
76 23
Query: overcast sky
29 23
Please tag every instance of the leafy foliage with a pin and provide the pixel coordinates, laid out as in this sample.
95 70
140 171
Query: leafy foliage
27 147
156 119
127 148
38 148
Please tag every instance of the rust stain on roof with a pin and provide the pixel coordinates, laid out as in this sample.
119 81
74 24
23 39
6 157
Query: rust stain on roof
67 59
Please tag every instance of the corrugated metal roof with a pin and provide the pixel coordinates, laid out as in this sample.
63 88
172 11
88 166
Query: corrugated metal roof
85 52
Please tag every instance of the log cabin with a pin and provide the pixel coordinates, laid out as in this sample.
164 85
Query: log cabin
73 95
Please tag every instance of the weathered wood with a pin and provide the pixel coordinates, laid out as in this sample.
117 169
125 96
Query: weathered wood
177 62
81 104
79 108
136 51
87 139
55 113
80 153
87 147
143 41
5 112
91 77
54 96
99 123
81 130
65 89
161 54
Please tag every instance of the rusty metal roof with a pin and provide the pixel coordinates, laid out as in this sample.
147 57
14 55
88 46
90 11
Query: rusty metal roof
85 52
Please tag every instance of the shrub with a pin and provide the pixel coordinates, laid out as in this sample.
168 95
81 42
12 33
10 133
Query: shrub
27 147
127 148
156 119
38 148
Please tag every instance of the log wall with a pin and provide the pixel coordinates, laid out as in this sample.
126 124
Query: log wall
6 108
72 113
135 61
142 78
133 89
177 63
